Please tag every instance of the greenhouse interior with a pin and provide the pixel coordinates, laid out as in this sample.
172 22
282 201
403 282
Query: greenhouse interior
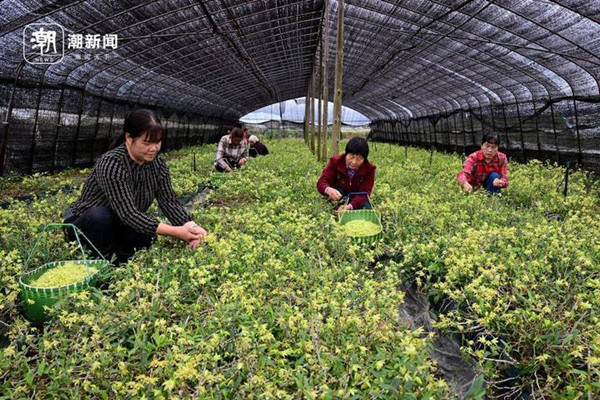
285 199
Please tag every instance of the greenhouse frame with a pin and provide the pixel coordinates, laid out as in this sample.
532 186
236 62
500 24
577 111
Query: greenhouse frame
443 281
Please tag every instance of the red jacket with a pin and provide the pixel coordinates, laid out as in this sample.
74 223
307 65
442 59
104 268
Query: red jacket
475 169
335 175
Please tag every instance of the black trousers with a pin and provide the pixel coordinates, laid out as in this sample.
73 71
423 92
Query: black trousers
231 165
104 229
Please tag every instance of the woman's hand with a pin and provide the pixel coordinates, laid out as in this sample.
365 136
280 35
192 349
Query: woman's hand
333 194
196 242
343 207
498 183
195 229
467 187
189 232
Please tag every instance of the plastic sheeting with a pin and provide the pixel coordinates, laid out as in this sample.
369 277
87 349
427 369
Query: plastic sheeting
293 111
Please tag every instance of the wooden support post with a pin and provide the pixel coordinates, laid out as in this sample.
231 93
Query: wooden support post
579 153
35 127
97 127
74 148
339 70
455 136
319 110
325 82
57 131
505 124
523 154
311 113
537 131
110 126
313 131
464 131
165 134
554 129
471 118
8 119
306 114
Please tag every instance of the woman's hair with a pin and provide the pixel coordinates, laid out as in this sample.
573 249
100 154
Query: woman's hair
140 122
358 145
492 138
237 133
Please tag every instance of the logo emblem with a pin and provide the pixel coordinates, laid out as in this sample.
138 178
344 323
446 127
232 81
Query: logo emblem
43 43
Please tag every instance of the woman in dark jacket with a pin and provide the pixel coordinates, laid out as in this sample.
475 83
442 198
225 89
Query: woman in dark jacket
349 172
123 184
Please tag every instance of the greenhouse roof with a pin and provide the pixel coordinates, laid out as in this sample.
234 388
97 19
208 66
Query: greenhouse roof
402 59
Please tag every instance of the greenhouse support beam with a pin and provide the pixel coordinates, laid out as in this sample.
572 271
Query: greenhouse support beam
311 114
319 106
422 133
310 111
306 114
57 130
165 133
566 179
447 130
579 154
429 135
178 137
537 131
555 133
456 134
6 122
521 133
35 127
204 124
96 128
325 81
481 122
81 99
339 70
187 132
464 132
112 116
495 128
473 139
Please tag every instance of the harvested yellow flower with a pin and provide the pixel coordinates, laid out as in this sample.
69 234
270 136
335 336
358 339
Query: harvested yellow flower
62 275
360 227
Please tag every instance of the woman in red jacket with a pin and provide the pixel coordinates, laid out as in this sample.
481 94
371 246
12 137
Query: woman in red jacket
347 173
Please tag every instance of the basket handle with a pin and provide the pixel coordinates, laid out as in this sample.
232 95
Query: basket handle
368 199
359 194
77 233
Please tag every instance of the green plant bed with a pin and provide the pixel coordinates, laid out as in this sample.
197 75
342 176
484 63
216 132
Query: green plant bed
364 215
217 179
35 299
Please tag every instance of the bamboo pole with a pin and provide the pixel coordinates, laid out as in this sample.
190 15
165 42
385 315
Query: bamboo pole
325 82
339 69
313 111
320 106
306 115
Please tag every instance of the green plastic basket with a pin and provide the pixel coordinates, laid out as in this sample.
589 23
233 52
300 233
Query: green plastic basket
35 299
367 215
